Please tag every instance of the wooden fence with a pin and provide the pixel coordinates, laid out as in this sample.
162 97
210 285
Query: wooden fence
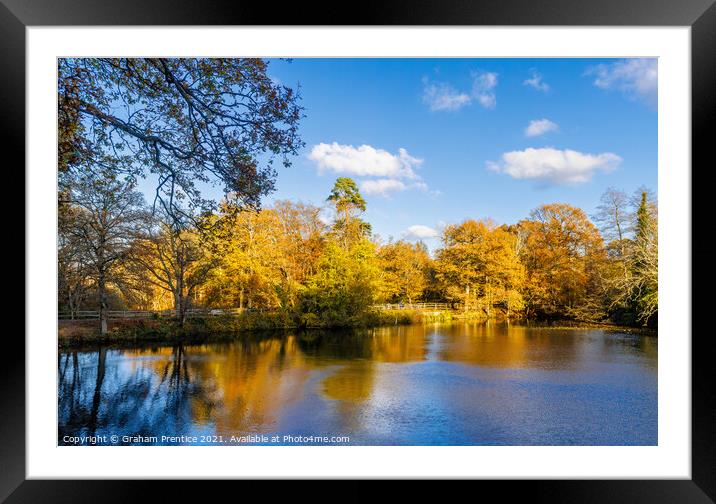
215 312
150 314
415 306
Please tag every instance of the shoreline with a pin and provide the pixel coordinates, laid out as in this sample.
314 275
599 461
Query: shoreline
127 332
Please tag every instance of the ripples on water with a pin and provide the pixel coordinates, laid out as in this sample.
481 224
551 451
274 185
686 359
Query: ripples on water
458 384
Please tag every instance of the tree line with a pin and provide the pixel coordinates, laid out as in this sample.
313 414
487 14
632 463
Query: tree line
189 123
117 252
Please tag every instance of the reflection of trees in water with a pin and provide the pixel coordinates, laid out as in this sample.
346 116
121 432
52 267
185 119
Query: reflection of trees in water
507 345
352 382
80 391
511 346
338 344
176 370
143 400
400 344
256 379
247 385
649 345
259 377
358 355
97 396
383 344
178 396
69 401
176 388
615 345
350 386
234 388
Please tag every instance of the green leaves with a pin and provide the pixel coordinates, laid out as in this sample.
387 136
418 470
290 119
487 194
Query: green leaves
346 196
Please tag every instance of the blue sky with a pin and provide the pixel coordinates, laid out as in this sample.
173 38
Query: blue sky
435 141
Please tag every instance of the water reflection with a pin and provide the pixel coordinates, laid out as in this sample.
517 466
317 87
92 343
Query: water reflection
419 384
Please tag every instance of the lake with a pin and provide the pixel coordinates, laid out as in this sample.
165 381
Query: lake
450 384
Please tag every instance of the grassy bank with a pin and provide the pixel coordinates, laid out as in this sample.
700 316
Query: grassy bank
83 332
575 324
73 333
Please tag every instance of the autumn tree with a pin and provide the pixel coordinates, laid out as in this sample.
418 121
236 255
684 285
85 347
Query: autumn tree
478 265
106 213
564 255
347 281
344 287
74 268
264 257
303 238
404 270
188 121
249 252
174 258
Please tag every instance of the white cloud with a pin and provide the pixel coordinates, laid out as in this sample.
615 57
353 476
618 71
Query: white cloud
637 78
364 161
441 96
484 81
382 186
554 165
391 172
487 100
483 88
540 127
536 82
385 186
423 187
420 232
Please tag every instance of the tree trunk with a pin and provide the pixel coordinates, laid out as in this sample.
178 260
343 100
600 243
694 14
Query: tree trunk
467 296
346 230
179 307
102 290
71 304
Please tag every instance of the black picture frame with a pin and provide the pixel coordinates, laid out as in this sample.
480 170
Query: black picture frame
700 15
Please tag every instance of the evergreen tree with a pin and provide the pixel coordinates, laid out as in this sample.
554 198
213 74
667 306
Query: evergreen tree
349 204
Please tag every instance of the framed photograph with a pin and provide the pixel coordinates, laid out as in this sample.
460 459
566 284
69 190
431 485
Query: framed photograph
420 243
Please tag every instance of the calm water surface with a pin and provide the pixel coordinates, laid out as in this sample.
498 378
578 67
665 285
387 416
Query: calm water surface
456 384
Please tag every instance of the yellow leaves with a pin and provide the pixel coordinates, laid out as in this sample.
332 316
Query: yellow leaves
554 264
564 254
266 255
404 269
479 266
